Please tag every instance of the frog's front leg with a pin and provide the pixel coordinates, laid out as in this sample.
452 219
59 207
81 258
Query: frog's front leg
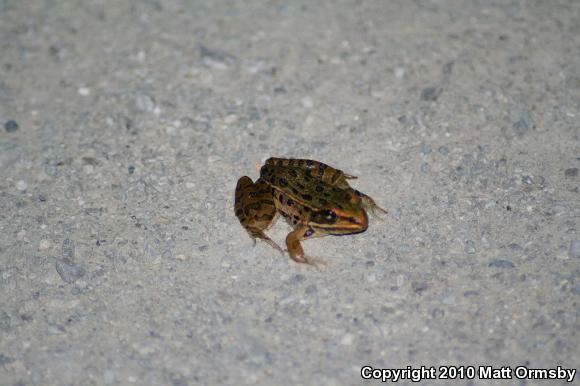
255 208
369 204
295 248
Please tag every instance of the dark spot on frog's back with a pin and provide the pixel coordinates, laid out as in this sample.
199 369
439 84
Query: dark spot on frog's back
319 188
322 201
290 202
309 162
283 182
307 197
292 173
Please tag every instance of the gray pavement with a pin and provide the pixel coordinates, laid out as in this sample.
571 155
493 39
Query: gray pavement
124 126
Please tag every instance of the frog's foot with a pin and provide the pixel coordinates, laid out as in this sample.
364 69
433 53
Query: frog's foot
349 176
268 241
313 261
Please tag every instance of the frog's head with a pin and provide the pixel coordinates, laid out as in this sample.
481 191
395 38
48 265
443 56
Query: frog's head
340 221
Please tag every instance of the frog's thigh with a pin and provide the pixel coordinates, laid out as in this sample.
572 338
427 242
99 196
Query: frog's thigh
255 208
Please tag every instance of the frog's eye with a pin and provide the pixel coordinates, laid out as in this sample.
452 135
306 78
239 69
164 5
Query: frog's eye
329 216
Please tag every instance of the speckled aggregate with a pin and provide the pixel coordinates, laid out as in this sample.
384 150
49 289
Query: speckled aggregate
124 126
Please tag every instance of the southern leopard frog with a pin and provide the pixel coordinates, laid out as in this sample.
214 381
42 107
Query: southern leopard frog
314 198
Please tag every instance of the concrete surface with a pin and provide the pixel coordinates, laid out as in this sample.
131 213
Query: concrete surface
126 124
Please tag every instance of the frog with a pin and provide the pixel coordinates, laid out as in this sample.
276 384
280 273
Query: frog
314 198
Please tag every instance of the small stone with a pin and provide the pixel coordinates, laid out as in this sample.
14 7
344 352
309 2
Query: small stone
437 313
181 257
51 170
399 72
162 220
444 150
521 118
131 169
527 180
499 263
425 149
280 90
419 287
470 247
307 102
109 377
144 103
88 169
84 91
44 244
296 279
430 94
21 185
4 360
231 118
215 59
11 126
347 339
68 249
572 172
311 290
68 271
574 250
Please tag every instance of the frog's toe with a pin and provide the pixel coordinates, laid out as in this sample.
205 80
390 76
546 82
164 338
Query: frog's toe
315 262
303 259
370 205
271 242
376 210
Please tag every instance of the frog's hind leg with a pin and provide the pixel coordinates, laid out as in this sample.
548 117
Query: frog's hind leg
255 209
